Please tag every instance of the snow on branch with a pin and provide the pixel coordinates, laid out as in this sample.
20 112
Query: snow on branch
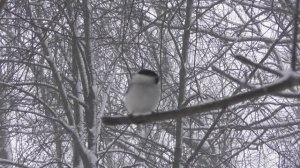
289 79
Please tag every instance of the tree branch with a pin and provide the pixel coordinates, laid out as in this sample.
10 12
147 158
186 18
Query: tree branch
258 66
288 80
8 162
295 34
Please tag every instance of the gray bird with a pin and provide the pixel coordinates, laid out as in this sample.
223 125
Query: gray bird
143 93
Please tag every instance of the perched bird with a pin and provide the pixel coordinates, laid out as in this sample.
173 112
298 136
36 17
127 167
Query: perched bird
143 93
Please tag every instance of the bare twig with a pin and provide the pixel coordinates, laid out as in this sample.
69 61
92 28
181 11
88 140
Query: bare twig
259 66
211 128
243 148
248 86
241 83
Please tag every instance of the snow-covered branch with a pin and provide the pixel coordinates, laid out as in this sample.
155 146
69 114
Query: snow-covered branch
9 162
288 80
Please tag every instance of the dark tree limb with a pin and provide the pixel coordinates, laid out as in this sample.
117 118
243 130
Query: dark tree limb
295 34
288 80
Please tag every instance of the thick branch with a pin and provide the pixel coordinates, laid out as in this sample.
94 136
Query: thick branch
8 162
290 79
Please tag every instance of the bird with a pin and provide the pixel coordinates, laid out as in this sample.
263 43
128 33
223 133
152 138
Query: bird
143 94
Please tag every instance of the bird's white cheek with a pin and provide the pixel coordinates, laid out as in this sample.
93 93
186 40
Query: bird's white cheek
142 79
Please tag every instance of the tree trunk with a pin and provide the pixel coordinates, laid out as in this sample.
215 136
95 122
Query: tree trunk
182 83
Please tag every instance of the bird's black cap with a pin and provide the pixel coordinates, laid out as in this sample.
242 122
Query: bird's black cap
149 73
